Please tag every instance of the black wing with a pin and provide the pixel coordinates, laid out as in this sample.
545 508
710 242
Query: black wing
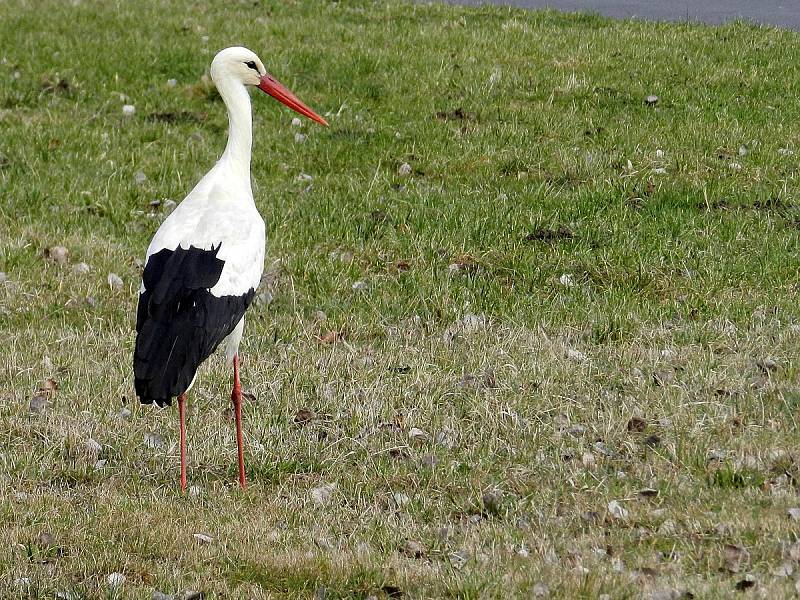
179 323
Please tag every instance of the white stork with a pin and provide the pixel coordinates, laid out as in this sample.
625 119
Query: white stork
205 261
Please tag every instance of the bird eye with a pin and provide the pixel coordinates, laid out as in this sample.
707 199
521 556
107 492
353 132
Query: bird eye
252 65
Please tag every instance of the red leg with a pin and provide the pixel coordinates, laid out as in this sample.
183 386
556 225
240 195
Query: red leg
182 413
236 396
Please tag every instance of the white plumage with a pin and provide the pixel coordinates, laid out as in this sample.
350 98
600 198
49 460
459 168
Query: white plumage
220 212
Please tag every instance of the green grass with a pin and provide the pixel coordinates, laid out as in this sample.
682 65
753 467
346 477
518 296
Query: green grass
535 160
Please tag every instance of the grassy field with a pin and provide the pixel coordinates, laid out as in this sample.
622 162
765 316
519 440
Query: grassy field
556 354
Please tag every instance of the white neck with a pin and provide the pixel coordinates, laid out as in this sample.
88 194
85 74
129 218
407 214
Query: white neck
240 126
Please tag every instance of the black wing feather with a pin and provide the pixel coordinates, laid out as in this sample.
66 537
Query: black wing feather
179 323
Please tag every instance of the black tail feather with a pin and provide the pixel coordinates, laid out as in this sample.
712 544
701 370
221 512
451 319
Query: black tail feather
179 323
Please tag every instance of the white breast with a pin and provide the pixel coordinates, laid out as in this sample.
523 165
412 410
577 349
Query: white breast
224 216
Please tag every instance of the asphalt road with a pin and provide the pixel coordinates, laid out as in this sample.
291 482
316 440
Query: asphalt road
781 13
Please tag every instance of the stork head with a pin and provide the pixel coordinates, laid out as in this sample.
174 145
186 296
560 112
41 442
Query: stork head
242 65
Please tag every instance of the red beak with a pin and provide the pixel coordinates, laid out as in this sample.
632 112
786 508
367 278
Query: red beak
281 93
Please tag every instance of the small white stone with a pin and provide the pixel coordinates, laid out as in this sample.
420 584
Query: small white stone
81 268
22 581
139 178
93 445
785 570
99 464
785 152
659 171
172 83
540 590
617 511
204 38
195 491
116 579
360 285
154 440
667 528
743 150
124 413
128 110
203 538
296 122
459 559
323 493
575 355
602 448
346 256
264 298
404 170
659 153
566 280
2 277
418 435
734 166
168 205
400 499
114 281
299 138
58 254
794 514
580 570
305 177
